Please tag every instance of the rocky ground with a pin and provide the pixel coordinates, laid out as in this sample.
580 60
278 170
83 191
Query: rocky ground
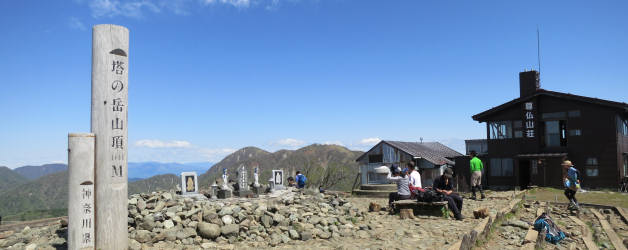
511 232
288 220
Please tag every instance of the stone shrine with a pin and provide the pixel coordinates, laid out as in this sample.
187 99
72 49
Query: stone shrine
243 185
189 183
225 190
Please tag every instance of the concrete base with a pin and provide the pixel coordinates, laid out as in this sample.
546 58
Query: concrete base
242 193
223 194
257 190
375 190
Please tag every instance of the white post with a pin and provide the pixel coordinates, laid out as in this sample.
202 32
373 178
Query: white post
110 67
80 191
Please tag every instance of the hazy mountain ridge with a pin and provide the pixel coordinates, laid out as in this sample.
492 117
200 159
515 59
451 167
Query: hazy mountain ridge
10 179
51 192
34 172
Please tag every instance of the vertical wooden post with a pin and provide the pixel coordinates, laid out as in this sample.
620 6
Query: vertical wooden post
81 191
110 66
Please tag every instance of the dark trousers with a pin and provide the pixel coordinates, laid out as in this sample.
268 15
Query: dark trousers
395 197
571 195
455 203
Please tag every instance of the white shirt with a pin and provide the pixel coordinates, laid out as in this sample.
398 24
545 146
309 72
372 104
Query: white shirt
415 179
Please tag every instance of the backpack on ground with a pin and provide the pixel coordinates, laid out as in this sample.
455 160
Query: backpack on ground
553 234
428 195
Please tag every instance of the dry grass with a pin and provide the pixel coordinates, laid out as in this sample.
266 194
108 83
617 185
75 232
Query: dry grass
594 197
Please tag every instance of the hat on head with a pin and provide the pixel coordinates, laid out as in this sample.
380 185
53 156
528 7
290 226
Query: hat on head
566 163
405 170
448 173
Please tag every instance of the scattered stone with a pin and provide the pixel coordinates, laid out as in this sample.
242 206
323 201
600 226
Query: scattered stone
208 230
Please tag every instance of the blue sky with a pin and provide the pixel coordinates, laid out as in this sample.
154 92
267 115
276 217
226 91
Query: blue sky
207 77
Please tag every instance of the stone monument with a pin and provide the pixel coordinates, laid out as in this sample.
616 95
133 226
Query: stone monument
277 180
189 183
110 67
225 190
257 189
243 184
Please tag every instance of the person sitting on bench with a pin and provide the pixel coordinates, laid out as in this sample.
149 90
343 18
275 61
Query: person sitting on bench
443 185
402 180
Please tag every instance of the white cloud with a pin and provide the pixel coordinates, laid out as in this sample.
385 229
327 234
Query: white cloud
235 3
137 8
162 144
370 141
339 143
112 8
75 23
290 142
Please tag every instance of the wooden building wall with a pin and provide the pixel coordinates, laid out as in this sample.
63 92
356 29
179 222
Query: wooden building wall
599 139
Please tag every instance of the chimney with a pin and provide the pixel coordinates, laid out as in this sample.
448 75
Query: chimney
528 82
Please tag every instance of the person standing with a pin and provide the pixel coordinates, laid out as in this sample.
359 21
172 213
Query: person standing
476 174
415 177
402 180
300 180
572 184
444 185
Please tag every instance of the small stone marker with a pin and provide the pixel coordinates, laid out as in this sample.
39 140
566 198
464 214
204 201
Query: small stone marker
243 185
189 183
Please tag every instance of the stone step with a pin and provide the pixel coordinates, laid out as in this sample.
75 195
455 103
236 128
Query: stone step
382 187
372 193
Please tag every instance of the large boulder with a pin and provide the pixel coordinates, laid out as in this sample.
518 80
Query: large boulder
208 230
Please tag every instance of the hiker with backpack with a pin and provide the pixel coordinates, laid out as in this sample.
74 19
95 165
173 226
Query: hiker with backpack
402 180
300 180
476 174
444 185
572 183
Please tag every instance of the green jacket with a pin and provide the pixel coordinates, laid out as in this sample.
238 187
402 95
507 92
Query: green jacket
476 164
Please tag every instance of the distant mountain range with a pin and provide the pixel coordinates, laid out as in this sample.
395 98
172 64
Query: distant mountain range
329 166
51 192
147 169
34 172
137 170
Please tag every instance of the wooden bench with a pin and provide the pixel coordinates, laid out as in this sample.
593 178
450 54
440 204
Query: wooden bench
438 208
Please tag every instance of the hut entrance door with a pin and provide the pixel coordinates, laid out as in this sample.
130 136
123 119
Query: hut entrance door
524 173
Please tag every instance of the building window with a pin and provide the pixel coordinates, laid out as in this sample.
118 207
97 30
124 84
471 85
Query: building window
625 127
554 115
535 167
592 167
501 167
555 133
626 165
500 130
575 132
518 128
376 158
573 113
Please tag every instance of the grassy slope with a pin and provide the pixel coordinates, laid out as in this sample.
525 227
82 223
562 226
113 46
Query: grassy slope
594 197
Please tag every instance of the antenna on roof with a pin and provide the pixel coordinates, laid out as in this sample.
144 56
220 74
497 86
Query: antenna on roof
538 47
